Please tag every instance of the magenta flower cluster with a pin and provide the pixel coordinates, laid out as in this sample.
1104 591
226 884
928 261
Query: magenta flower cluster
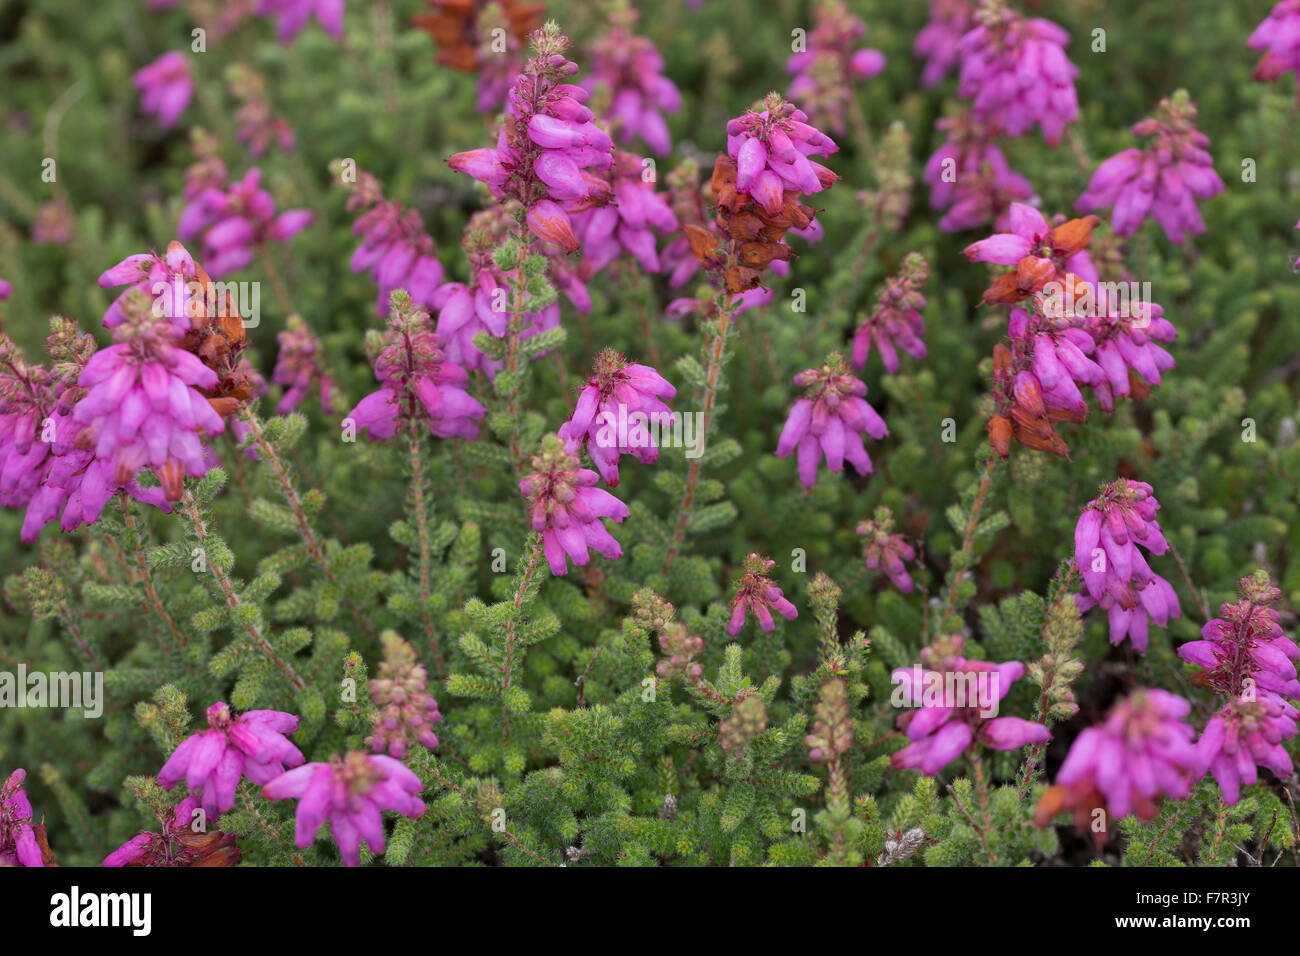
828 66
407 711
884 550
238 221
213 761
620 411
939 39
142 408
771 150
351 792
1060 363
166 87
954 708
631 71
756 593
18 844
546 146
830 421
69 442
1016 74
395 248
628 224
300 366
147 845
486 304
567 510
1128 341
1247 659
292 15
896 322
1278 36
1144 749
1163 180
418 385
1116 577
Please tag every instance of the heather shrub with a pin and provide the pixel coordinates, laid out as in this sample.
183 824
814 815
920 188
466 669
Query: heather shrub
508 433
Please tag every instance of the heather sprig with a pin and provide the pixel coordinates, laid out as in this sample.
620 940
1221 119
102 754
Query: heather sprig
1162 180
1115 575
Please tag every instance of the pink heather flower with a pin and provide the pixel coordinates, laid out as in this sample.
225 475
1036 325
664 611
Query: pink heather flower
1016 73
824 72
236 221
1279 37
1126 344
954 709
1143 750
34 410
938 39
81 485
1115 575
1063 245
484 305
417 384
896 321
143 409
1248 659
300 365
351 792
168 283
771 150
1037 372
1245 648
292 15
395 248
407 711
567 510
631 69
619 412
1050 360
626 224
213 761
18 845
1163 179
6 290
969 176
166 88
884 550
1246 734
830 419
27 402
755 592
178 844
545 147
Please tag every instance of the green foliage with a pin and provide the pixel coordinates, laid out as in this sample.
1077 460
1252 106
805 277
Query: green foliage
609 716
